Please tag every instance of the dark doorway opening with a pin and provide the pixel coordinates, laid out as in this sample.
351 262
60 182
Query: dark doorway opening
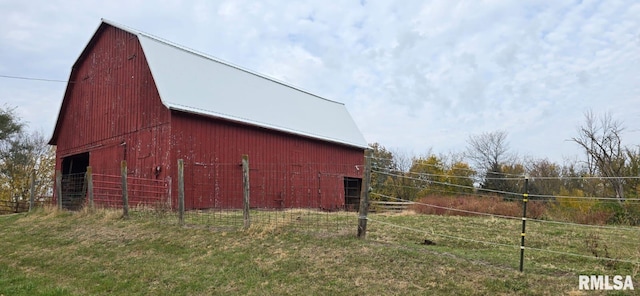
352 188
74 187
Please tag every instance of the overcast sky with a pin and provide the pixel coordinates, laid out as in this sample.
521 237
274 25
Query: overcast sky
415 75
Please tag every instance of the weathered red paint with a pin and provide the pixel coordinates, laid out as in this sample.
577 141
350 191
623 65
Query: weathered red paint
112 110
286 170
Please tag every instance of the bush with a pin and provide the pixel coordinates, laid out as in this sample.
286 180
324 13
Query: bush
625 213
495 205
574 215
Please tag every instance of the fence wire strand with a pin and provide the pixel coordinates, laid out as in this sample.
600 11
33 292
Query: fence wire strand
500 244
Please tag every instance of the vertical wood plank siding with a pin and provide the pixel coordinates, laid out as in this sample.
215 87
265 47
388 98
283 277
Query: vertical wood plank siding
112 108
286 170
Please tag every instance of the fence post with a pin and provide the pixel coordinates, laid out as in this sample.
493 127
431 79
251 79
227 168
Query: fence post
169 187
364 196
32 192
245 191
125 191
525 199
59 188
89 177
181 191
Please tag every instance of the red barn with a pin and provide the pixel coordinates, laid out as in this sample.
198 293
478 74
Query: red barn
132 96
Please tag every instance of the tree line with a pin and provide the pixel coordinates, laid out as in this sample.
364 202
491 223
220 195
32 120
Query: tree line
609 169
23 154
487 166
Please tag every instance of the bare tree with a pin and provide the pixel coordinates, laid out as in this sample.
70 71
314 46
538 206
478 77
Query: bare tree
488 150
601 140
490 153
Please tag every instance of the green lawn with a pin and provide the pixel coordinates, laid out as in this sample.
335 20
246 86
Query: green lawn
59 253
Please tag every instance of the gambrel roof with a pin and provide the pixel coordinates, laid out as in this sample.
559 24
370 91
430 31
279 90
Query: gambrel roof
193 82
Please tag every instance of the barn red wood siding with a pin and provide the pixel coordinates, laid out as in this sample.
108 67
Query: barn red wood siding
285 170
112 108
113 111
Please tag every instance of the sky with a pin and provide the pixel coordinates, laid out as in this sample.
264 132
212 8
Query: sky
416 76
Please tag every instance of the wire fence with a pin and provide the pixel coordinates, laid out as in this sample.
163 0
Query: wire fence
302 196
546 237
327 198
21 205
36 194
225 196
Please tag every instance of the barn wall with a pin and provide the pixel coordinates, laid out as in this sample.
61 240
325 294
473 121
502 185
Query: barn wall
286 170
112 108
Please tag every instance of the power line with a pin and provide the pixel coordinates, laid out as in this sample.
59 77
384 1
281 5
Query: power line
33 78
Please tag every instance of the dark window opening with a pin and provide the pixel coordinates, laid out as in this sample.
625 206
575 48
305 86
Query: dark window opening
352 193
75 164
74 188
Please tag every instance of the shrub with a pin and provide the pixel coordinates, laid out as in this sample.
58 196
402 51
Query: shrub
456 206
626 213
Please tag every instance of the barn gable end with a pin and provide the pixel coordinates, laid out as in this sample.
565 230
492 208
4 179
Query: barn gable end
112 108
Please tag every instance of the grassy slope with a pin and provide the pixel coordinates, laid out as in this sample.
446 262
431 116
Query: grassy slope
53 253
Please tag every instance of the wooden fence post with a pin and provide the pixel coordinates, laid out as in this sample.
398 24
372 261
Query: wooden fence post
89 180
169 187
245 191
59 188
125 191
181 191
32 191
364 196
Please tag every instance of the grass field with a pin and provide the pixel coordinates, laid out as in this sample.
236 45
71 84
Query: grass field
59 253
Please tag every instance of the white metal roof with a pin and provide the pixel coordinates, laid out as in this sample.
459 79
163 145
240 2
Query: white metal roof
196 83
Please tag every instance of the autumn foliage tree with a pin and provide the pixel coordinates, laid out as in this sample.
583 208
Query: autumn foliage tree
389 175
21 155
440 177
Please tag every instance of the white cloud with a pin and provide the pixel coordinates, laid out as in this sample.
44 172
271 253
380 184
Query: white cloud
415 76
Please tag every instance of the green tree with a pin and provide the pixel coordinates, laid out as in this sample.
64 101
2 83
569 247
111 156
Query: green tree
10 125
389 174
382 164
